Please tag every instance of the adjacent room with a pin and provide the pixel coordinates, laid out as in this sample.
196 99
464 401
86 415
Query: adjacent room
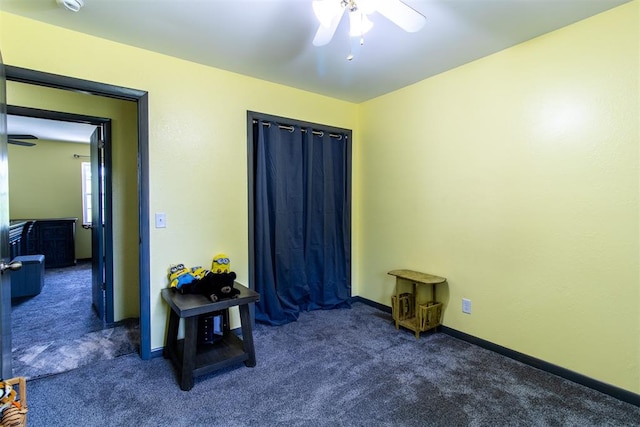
51 228
486 151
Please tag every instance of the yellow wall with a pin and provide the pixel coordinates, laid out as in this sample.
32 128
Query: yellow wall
197 139
45 181
124 137
516 177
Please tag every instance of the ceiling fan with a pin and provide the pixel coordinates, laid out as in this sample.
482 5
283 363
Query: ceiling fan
18 140
330 12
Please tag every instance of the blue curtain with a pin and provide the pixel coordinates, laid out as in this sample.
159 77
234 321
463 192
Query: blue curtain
302 221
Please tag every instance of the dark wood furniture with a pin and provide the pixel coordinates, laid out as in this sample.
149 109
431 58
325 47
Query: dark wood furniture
52 237
16 228
191 359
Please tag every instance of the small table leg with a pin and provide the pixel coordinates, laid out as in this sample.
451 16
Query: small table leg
397 313
247 335
189 352
172 334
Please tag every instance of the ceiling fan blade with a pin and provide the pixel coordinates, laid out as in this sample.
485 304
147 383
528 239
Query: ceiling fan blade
24 143
402 15
16 139
20 136
325 33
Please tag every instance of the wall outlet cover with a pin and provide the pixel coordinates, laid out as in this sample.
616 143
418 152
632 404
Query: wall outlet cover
466 305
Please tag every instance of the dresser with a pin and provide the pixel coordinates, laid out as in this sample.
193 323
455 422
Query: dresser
52 237
16 230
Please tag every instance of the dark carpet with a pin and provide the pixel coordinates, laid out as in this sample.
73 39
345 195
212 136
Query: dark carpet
345 367
57 330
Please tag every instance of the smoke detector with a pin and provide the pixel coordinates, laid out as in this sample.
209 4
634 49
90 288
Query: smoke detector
72 5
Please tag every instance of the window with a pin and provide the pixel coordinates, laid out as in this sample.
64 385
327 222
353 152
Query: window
86 193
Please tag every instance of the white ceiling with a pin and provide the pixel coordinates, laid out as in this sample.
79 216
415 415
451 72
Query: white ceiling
51 130
271 39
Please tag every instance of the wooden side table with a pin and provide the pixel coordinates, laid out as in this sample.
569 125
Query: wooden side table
407 308
191 359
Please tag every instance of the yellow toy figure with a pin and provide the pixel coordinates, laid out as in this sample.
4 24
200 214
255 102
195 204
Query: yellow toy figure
218 283
199 272
221 264
179 275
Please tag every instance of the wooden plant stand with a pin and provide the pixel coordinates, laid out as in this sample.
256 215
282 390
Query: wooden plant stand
408 309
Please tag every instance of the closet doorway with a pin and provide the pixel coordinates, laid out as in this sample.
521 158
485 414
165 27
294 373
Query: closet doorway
299 216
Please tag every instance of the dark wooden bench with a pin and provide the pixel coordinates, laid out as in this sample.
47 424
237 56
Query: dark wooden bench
191 359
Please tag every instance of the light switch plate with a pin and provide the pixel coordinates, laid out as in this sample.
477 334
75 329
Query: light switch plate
161 220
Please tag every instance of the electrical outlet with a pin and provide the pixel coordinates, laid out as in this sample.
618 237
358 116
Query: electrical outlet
466 305
161 220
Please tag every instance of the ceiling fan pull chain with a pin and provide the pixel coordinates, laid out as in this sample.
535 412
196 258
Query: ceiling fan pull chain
361 27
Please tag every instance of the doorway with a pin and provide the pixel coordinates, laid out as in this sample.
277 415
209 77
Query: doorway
70 322
58 194
140 98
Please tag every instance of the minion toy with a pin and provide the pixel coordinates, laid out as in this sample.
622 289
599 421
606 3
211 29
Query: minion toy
179 276
221 264
199 272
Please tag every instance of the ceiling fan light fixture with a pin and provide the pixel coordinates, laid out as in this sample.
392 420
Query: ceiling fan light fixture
330 12
368 6
72 5
326 11
359 24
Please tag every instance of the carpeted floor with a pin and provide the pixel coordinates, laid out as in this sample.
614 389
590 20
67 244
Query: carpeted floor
58 330
346 367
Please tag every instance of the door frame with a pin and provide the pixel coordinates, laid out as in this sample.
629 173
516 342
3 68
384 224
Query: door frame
105 123
5 280
141 98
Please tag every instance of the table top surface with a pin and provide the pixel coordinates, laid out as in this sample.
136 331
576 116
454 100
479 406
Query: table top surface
73 219
187 305
418 277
